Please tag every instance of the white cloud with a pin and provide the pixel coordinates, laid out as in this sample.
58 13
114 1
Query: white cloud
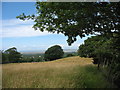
14 22
18 28
22 31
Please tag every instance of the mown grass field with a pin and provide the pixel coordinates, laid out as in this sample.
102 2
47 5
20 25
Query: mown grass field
72 72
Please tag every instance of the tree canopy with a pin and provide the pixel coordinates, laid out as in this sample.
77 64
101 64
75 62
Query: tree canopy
76 19
54 52
11 55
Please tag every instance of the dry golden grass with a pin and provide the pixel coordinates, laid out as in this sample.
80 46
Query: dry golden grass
62 73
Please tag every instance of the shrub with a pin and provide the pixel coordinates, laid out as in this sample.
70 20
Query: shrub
69 55
54 52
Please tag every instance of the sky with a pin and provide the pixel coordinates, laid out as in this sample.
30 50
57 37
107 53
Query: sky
20 34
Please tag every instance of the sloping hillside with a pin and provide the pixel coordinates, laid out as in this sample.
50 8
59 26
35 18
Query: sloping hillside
72 72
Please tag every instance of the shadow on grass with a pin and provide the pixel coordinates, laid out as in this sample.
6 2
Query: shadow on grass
90 77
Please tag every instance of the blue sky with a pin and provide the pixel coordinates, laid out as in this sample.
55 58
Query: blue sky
20 34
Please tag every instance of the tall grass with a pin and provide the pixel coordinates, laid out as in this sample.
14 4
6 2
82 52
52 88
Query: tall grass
91 77
72 72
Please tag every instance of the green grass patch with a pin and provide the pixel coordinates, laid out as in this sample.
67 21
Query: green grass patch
90 77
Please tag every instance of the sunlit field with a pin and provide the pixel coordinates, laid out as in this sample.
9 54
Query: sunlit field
72 72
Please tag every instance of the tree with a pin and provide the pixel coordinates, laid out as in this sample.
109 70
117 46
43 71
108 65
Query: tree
76 19
54 52
90 45
12 55
99 48
4 57
104 55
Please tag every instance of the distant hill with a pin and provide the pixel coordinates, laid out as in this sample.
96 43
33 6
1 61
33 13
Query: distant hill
70 50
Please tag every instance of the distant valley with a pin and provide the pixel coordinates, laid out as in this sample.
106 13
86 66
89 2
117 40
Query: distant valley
43 51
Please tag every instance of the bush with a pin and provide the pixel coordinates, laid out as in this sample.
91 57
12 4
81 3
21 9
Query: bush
69 55
54 52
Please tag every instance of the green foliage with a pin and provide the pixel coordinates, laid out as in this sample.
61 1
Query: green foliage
4 57
69 55
98 47
90 45
11 56
76 19
33 58
54 52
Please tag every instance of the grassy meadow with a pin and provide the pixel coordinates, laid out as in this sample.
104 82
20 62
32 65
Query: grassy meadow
71 72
